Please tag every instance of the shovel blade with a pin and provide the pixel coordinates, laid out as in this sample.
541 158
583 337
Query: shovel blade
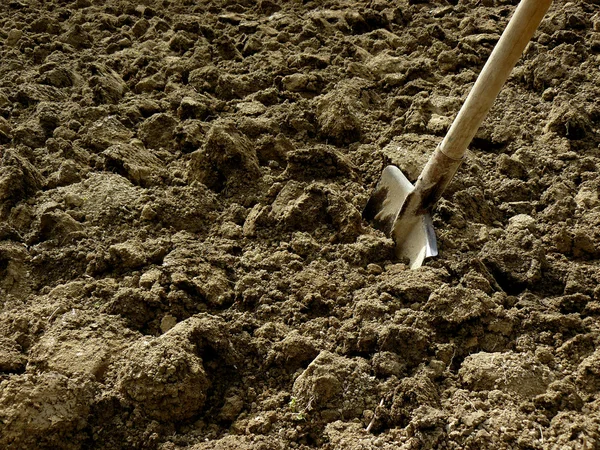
415 238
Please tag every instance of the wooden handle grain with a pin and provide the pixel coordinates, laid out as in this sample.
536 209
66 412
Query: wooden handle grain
505 55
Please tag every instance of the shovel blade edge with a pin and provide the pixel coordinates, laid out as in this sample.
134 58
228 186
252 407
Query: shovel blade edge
415 241
387 198
414 238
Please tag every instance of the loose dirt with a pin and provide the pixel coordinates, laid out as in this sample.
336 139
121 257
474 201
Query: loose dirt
183 262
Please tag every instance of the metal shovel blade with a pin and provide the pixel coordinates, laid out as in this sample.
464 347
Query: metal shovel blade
415 243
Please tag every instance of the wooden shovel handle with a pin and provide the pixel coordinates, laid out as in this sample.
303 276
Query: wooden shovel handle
507 52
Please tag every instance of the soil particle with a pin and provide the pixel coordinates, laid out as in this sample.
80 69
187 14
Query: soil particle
19 179
107 85
412 393
158 130
335 387
12 360
226 157
135 163
336 119
243 443
508 372
41 410
159 372
500 256
317 163
569 121
456 305
293 352
103 133
587 373
76 343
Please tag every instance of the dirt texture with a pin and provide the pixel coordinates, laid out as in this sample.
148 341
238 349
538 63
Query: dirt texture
183 260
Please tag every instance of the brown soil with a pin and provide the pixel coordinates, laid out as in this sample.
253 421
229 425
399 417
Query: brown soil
183 263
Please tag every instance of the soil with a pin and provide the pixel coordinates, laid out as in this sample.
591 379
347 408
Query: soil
183 261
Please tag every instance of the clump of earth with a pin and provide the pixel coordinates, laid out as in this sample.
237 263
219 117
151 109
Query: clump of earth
183 260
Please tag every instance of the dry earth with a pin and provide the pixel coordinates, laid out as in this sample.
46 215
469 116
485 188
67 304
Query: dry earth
183 263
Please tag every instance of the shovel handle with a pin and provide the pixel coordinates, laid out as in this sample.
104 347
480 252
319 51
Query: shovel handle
505 55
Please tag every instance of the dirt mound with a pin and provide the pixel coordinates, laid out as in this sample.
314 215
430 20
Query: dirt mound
183 261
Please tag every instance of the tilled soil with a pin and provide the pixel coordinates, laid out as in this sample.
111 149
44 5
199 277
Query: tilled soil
183 262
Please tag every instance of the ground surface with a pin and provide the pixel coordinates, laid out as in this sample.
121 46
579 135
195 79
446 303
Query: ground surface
183 263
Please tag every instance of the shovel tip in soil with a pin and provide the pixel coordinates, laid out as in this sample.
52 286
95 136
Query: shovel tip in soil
415 239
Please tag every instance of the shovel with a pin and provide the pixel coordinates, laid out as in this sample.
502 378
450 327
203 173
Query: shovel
402 210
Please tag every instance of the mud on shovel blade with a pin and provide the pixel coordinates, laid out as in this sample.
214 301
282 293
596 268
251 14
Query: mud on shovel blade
417 241
400 209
